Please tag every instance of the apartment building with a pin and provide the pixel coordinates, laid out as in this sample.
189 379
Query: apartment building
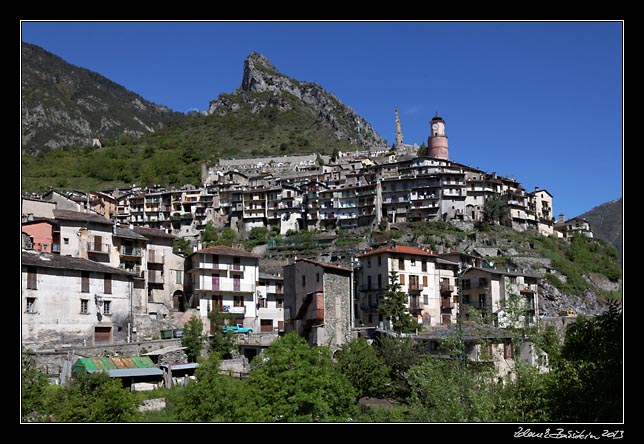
503 298
426 279
270 302
224 278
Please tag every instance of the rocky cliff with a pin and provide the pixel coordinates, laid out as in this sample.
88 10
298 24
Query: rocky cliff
263 86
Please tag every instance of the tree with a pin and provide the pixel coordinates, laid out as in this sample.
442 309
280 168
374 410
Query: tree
423 150
181 246
496 211
209 235
364 367
211 397
33 389
293 382
587 381
95 397
399 354
193 338
221 343
394 306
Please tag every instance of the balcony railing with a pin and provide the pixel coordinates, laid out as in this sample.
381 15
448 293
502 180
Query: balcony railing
234 310
131 251
100 247
445 287
415 287
526 289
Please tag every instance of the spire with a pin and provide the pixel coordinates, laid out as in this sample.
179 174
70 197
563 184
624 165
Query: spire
399 134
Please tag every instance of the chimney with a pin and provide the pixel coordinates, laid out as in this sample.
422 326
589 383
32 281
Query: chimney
561 219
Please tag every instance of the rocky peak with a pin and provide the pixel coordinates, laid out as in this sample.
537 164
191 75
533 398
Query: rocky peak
261 76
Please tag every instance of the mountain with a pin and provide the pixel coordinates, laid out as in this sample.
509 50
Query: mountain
63 104
268 114
266 92
606 221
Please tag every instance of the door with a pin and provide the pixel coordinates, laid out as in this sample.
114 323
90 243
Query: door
215 281
236 282
102 335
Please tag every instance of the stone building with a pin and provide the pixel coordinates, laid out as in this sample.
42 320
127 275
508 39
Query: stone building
318 302
73 301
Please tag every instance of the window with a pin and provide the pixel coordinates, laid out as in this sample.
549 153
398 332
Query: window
482 300
303 280
424 265
424 281
66 240
413 262
513 279
317 277
426 299
106 307
402 279
279 302
238 301
218 301
401 264
107 283
379 281
368 282
84 281
84 306
368 263
31 305
466 284
32 278
178 277
482 282
507 349
379 260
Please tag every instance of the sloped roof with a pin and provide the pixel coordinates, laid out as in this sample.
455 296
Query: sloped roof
49 260
325 265
118 367
81 217
227 251
128 233
153 232
399 249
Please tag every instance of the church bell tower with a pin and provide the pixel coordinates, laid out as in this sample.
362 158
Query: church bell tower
437 141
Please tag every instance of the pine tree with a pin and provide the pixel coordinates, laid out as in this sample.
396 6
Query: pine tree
394 306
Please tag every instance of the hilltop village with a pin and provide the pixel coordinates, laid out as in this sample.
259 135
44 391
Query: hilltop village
99 268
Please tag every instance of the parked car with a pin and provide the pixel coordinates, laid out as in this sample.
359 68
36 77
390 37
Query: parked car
545 314
236 328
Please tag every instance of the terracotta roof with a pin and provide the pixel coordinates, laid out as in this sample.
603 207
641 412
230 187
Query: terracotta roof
399 249
80 216
228 251
325 265
153 232
48 260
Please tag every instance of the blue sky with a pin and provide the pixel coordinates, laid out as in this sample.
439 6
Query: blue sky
541 102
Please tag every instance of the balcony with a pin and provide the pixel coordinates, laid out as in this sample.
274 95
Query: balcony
415 304
138 272
98 247
155 276
415 288
445 287
226 285
130 251
447 304
234 310
155 257
526 288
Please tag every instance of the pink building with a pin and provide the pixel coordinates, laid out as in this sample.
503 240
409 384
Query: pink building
45 235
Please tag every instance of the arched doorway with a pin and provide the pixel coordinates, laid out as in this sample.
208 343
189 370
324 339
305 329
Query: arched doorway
178 301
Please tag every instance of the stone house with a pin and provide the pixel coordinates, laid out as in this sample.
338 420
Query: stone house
73 301
318 302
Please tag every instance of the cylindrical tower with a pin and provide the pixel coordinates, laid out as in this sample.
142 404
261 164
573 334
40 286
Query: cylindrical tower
437 141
